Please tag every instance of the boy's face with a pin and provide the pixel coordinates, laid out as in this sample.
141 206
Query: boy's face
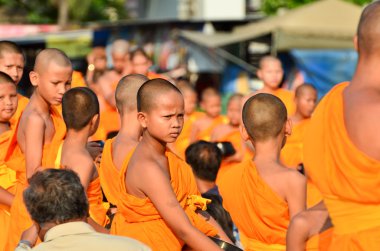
190 99
13 65
141 64
234 112
165 121
52 83
212 106
119 62
306 102
8 101
271 74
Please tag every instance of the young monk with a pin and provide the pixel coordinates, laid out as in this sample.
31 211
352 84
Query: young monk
35 142
260 194
310 230
157 187
116 149
271 73
342 145
305 100
191 115
80 110
12 62
231 133
211 104
8 107
109 118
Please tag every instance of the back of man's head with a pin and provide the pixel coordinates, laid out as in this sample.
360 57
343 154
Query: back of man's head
126 92
204 158
264 116
56 195
79 106
368 31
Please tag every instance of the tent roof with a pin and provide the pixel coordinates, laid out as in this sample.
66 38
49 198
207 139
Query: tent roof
321 24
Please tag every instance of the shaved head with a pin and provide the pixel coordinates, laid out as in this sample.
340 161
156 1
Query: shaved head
300 90
126 92
6 79
235 97
369 29
185 86
47 56
264 116
151 90
9 47
120 46
79 106
268 59
209 92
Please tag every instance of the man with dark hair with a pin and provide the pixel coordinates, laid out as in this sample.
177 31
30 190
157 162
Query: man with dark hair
204 158
57 202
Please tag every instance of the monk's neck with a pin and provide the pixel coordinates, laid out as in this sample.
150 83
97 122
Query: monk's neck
269 90
204 185
77 138
366 73
39 103
4 126
268 150
130 128
152 145
297 118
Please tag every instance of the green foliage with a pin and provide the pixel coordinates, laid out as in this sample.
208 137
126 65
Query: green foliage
46 11
270 7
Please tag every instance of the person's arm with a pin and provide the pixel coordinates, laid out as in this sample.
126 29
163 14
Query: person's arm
297 234
85 170
6 198
28 238
156 185
34 133
105 87
296 193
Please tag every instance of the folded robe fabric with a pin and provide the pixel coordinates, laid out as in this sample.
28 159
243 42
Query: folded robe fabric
15 159
97 209
258 212
109 174
348 179
7 182
22 102
139 219
321 241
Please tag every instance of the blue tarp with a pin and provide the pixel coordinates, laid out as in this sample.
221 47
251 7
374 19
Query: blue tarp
325 68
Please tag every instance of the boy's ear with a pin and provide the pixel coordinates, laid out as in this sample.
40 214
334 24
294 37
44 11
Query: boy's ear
141 117
288 127
94 123
244 133
259 73
356 45
34 78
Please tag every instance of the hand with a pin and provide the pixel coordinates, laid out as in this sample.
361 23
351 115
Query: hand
31 234
95 149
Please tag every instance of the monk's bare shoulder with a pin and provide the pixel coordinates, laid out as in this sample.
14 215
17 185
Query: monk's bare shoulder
361 121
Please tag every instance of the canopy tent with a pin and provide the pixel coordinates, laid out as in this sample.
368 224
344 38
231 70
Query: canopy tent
322 24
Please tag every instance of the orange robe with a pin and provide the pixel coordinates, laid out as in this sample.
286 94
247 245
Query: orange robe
8 182
141 220
292 152
97 209
235 138
205 134
109 118
183 140
15 159
78 80
261 216
348 179
22 102
287 97
321 241
109 174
